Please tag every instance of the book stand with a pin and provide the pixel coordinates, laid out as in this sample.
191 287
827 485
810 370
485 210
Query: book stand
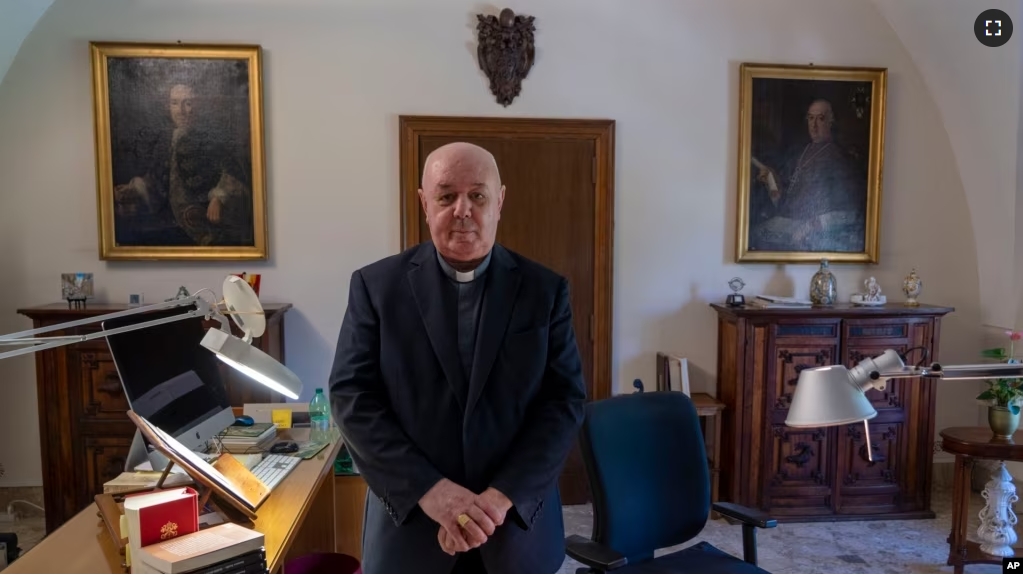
236 503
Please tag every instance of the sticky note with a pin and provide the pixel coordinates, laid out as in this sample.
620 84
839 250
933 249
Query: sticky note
281 417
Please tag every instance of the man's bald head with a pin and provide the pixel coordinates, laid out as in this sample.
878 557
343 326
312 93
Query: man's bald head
457 154
462 197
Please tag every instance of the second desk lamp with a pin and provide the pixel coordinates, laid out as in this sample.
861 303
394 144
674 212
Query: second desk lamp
835 395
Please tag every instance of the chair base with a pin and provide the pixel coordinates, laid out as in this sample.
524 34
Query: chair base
699 558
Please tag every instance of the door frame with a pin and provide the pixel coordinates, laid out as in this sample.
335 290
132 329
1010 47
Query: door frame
600 132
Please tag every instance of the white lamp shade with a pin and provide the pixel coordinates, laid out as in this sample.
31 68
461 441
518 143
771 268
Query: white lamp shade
253 362
827 396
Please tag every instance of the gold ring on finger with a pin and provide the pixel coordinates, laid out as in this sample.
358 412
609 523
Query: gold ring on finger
463 519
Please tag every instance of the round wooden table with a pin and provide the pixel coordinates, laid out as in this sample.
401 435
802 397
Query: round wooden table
967 444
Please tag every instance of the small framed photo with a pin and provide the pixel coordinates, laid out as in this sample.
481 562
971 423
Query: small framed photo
76 288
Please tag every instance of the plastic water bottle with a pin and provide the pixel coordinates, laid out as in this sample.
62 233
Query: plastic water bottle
319 417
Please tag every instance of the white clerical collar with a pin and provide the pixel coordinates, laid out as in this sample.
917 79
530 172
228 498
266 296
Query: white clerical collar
463 277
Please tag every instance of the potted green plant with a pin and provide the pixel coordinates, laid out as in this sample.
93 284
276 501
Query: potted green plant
1003 396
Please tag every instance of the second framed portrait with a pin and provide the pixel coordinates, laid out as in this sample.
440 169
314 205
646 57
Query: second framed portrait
811 152
179 152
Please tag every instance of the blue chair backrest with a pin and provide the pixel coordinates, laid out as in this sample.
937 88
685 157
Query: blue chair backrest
647 464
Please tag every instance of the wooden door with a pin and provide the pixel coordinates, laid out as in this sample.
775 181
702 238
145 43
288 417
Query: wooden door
558 211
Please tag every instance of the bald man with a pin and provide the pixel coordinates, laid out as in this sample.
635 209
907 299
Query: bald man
458 387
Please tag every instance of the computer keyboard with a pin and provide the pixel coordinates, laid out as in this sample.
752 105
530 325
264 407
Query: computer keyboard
274 468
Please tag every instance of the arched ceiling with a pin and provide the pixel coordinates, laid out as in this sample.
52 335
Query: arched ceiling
17 19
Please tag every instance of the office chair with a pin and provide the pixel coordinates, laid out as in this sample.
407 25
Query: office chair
647 465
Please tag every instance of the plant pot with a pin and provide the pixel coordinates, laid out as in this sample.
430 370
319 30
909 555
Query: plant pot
1002 421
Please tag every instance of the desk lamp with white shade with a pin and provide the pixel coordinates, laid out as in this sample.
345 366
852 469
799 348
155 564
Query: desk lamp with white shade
240 302
834 395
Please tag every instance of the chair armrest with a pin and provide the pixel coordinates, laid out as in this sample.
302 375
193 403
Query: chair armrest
593 554
745 515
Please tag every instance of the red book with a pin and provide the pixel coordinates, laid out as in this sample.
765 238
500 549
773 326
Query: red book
163 515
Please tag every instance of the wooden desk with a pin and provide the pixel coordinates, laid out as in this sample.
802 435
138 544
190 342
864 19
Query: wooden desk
968 443
296 519
707 406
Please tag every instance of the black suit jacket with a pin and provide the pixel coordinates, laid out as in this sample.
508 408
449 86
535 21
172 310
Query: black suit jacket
394 387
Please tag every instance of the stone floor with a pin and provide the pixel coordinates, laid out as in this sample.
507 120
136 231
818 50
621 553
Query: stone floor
30 523
912 546
917 546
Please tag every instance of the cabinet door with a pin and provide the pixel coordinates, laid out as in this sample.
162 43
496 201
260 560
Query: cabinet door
102 396
797 470
104 460
888 482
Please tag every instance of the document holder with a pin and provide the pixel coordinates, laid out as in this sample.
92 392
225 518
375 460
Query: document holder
226 485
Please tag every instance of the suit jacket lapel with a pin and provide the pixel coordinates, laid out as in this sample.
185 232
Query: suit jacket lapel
498 302
438 308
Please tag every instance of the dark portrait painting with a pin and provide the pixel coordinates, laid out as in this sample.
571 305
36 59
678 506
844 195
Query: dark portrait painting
179 152
811 146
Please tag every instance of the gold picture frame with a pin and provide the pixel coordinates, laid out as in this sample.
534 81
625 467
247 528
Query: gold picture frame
811 156
180 167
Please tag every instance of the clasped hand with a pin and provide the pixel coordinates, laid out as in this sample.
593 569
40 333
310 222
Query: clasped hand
446 501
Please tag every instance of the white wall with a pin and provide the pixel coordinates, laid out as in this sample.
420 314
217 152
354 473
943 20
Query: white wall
338 74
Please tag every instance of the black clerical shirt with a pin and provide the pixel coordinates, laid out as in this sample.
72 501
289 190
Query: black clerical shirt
469 286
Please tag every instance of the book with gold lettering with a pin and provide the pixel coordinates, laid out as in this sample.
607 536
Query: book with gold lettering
161 515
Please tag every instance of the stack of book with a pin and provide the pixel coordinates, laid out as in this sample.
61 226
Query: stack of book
253 438
158 516
224 548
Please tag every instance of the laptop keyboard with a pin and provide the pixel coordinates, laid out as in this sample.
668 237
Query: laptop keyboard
274 468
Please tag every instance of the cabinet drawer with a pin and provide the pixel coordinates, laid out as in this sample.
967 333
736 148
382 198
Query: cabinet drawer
93 373
876 329
808 329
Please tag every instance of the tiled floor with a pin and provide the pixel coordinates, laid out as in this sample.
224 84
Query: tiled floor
840 547
917 546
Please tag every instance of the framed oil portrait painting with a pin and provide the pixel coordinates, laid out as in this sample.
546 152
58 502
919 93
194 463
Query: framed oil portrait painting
811 149
179 151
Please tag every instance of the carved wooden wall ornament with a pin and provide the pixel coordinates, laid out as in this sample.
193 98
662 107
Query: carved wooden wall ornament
505 52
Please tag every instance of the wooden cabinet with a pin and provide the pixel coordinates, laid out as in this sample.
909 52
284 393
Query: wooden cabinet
350 492
84 430
823 473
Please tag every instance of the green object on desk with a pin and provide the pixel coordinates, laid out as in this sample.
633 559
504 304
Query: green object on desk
308 449
343 464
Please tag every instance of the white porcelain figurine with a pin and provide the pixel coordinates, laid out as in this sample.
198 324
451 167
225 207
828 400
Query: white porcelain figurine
871 294
912 286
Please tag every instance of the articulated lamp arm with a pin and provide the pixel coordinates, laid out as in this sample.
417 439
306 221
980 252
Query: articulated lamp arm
32 343
240 301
